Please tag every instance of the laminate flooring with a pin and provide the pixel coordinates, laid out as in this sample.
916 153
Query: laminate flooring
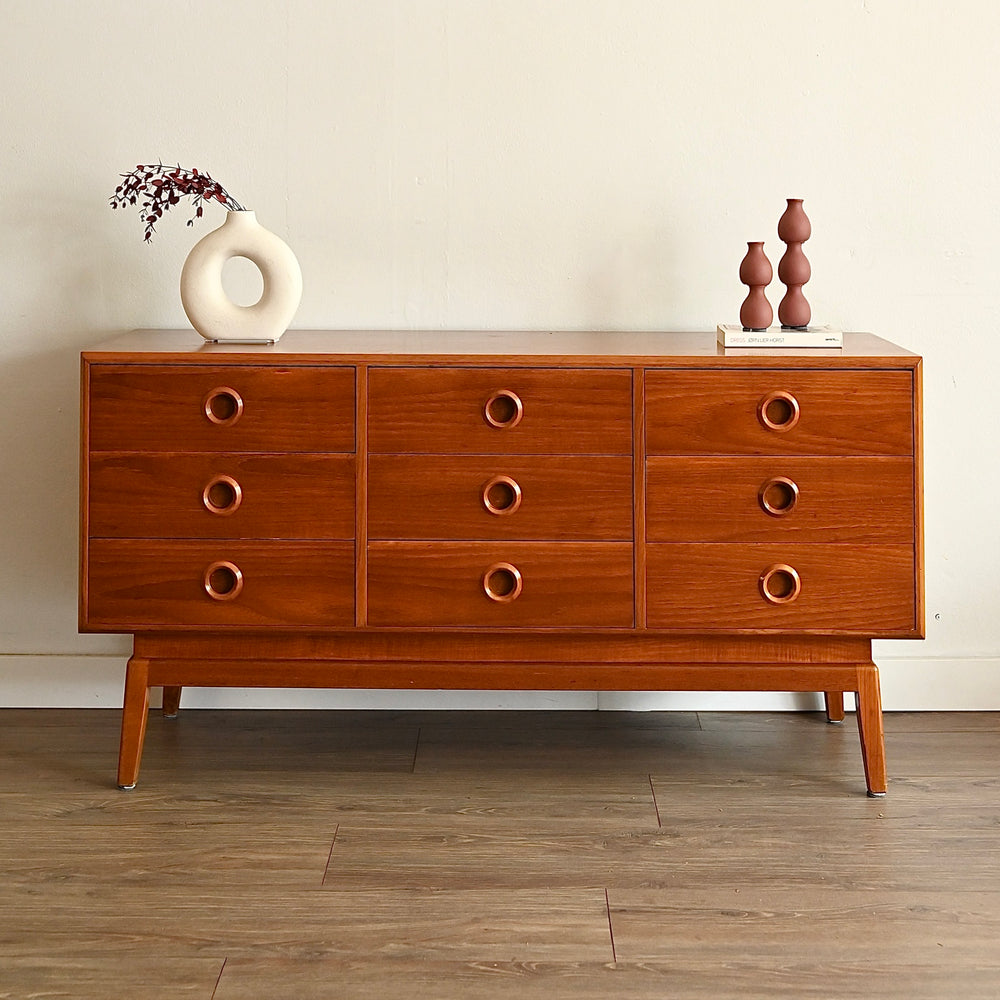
273 855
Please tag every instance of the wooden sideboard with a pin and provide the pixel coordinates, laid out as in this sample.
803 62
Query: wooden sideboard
548 511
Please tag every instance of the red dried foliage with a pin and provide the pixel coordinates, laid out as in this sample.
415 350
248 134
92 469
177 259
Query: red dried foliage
154 188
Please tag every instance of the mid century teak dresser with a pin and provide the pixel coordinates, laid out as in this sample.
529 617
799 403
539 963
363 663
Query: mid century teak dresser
552 511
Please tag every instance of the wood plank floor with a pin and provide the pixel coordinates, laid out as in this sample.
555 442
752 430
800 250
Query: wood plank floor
484 855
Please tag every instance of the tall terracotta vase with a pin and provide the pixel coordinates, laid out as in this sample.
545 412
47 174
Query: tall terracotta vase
755 270
794 271
211 312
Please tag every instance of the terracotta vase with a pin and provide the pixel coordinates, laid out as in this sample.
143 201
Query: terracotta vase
211 312
794 271
756 271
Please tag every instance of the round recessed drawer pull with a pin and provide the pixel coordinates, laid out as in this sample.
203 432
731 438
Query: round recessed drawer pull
778 411
502 583
778 496
501 495
222 495
503 409
780 584
223 581
223 405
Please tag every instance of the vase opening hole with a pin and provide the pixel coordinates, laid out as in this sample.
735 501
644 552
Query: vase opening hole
242 281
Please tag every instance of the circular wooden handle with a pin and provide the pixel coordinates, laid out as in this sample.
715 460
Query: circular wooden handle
223 405
502 583
223 581
222 495
503 409
778 496
780 584
778 411
501 495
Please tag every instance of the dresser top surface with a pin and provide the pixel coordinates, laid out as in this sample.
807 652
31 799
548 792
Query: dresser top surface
500 347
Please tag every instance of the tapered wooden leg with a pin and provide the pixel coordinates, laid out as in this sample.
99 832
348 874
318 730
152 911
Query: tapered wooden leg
834 706
172 702
869 713
134 712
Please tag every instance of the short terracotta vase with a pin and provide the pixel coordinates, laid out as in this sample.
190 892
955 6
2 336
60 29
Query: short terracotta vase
756 271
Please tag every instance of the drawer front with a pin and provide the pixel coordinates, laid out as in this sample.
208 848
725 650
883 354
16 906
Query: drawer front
841 588
489 411
151 584
858 500
221 409
772 412
213 496
508 585
459 497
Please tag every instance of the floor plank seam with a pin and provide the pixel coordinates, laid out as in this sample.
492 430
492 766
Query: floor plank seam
656 806
329 857
611 930
416 750
215 989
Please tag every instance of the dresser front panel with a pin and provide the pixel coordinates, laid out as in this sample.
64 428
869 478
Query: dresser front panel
839 412
585 498
839 499
162 495
208 408
577 411
842 588
139 584
561 584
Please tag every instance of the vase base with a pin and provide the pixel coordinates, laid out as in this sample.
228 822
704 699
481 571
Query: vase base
241 340
801 329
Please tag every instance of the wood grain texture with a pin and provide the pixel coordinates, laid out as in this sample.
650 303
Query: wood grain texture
860 501
440 411
565 583
719 976
281 496
932 935
161 408
573 647
136 583
842 413
845 588
449 854
441 497
562 348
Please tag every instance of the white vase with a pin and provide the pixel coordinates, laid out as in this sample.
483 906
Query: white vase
211 312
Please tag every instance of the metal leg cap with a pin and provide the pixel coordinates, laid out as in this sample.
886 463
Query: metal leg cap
127 788
876 795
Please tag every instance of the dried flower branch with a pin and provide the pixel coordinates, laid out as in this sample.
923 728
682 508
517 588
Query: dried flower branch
155 188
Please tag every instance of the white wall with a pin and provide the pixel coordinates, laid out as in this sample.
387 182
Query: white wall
505 164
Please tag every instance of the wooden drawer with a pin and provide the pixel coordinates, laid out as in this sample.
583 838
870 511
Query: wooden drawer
844 588
491 411
858 500
221 409
151 584
584 584
779 412
221 496
460 497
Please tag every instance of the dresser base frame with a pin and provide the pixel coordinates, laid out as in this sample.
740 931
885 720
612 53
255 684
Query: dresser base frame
545 661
